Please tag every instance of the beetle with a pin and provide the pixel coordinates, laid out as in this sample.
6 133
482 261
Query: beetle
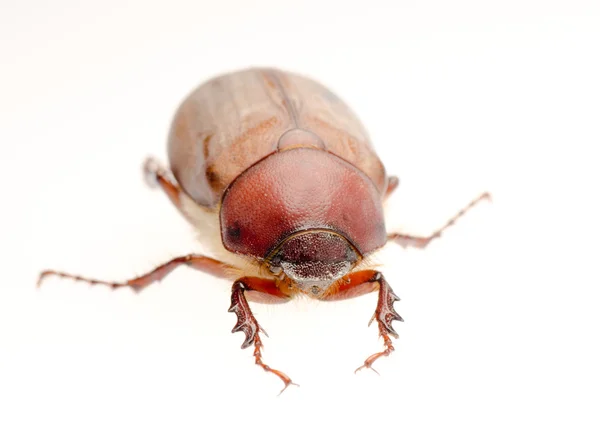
285 189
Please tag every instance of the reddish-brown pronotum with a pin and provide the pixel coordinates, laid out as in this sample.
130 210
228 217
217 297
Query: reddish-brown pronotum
280 180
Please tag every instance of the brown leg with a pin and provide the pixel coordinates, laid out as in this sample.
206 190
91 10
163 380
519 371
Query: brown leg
202 263
422 242
393 183
363 282
246 322
157 175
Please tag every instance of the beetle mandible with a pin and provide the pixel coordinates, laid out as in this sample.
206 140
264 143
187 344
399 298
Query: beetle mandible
284 187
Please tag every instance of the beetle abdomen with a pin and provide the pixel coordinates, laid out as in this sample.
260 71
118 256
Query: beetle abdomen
233 121
300 189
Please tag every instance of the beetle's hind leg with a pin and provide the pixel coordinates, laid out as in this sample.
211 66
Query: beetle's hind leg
406 240
157 175
393 183
246 322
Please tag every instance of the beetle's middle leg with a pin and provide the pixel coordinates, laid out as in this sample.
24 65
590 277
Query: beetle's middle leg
421 242
363 282
198 262
246 322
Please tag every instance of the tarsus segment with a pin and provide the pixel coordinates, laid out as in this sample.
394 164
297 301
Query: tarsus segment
421 242
198 262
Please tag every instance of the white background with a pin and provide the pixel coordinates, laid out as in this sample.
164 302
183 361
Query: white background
459 97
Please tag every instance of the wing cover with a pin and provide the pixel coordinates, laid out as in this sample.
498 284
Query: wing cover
232 121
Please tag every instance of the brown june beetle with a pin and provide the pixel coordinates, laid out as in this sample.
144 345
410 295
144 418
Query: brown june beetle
280 180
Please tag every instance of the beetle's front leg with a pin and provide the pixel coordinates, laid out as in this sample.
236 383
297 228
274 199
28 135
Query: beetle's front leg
423 241
246 322
384 315
363 282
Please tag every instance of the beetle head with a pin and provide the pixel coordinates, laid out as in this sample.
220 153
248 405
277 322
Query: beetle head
314 259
